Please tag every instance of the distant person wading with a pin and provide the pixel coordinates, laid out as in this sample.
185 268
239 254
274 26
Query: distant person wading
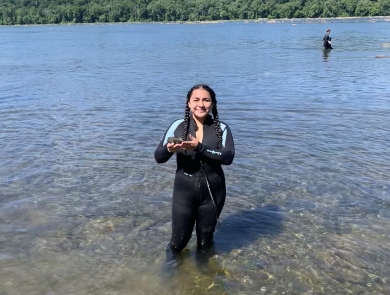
327 40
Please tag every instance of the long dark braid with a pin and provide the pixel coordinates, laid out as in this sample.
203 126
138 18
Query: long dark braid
217 126
214 112
186 122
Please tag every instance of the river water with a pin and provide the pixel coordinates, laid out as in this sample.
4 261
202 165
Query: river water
84 208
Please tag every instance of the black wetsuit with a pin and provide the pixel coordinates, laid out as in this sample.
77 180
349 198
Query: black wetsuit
191 201
326 40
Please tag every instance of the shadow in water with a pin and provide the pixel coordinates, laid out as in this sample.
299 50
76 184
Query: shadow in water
244 228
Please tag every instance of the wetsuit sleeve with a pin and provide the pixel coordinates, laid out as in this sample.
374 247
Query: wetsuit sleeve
225 155
162 154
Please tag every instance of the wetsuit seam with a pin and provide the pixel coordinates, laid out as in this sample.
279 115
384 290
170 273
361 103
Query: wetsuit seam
199 189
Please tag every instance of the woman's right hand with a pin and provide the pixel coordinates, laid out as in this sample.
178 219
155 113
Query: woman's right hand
172 147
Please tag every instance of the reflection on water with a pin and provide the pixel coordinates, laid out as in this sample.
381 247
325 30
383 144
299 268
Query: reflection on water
325 53
84 208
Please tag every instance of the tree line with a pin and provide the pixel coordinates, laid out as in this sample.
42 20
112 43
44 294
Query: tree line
13 12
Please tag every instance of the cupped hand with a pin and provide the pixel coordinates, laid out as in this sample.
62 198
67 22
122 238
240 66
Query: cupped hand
173 147
191 144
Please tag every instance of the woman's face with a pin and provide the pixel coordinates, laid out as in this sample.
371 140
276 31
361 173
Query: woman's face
200 103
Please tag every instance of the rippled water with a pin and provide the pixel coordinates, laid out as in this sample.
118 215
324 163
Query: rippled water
84 208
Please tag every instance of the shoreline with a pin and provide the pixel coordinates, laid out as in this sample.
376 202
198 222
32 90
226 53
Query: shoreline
258 20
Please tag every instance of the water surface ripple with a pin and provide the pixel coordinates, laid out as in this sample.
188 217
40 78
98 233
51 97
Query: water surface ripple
84 208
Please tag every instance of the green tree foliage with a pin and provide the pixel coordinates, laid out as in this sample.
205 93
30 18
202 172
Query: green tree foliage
91 11
384 7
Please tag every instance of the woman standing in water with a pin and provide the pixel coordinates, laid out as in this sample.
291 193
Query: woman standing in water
199 188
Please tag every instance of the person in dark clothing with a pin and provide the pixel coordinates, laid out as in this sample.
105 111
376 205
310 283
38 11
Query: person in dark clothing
199 190
327 40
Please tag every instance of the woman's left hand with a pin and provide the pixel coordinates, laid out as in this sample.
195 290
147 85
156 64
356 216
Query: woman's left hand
190 145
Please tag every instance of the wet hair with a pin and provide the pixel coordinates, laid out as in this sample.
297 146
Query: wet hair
327 30
214 111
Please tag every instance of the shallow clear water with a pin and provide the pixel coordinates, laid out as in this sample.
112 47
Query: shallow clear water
84 208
